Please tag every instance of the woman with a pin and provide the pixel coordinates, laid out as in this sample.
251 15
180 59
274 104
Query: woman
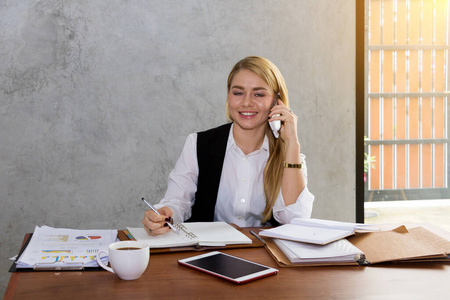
239 172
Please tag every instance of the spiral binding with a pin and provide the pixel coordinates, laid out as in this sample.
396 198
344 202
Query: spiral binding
188 234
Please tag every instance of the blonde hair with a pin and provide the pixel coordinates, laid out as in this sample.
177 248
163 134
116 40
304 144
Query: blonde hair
273 172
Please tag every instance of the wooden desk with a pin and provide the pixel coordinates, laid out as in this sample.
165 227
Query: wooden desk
165 279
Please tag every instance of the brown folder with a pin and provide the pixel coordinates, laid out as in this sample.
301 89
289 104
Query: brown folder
400 244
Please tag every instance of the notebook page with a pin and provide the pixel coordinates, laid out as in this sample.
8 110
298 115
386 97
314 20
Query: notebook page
334 224
307 234
216 234
167 240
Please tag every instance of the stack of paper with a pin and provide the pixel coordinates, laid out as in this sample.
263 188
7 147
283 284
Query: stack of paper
315 231
341 251
324 242
65 248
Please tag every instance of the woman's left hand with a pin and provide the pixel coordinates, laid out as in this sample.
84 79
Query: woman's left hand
288 129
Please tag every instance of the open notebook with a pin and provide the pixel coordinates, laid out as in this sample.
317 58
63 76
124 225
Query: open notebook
191 234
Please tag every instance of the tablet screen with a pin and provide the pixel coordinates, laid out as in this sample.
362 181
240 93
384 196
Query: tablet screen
229 267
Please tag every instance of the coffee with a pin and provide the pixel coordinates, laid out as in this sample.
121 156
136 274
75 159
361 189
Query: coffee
128 248
124 261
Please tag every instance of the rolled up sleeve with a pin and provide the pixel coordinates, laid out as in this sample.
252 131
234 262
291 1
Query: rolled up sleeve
302 208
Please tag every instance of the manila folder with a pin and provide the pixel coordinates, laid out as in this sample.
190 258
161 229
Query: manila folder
400 244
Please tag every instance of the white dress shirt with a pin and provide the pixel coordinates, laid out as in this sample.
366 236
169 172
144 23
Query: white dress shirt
240 199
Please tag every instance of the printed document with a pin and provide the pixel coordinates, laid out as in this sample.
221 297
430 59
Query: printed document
60 247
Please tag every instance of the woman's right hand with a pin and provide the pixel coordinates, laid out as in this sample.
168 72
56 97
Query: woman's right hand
156 224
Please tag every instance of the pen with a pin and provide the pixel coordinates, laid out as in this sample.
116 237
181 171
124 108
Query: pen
152 208
257 236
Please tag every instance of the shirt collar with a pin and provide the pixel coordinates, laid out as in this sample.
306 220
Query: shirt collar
232 143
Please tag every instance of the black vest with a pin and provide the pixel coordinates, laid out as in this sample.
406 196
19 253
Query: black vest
211 148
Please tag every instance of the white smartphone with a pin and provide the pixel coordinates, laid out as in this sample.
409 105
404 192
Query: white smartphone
228 267
275 125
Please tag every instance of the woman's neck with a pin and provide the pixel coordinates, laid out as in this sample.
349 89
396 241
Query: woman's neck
248 140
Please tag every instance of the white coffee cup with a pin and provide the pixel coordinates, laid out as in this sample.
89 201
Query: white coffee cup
128 259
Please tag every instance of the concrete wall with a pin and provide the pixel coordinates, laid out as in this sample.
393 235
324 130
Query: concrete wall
97 97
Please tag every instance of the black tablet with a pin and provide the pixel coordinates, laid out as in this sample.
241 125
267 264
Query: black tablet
228 267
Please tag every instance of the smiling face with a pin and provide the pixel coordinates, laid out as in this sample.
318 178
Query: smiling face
249 101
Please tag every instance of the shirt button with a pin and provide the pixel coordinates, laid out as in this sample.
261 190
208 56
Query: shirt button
243 200
243 179
244 159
